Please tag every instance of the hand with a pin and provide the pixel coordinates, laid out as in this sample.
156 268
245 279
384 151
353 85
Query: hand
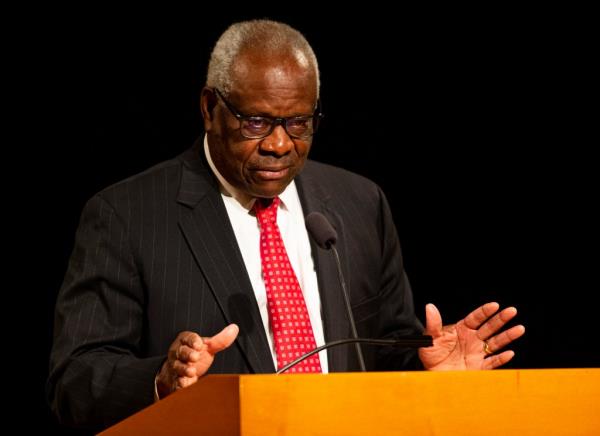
189 357
462 345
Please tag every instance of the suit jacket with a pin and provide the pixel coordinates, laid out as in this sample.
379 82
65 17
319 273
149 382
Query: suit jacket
156 255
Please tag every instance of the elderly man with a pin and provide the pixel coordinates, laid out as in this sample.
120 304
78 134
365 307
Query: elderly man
203 264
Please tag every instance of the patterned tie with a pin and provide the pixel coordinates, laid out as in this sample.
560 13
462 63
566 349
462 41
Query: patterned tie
288 316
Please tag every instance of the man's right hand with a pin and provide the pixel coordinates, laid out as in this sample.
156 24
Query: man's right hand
189 358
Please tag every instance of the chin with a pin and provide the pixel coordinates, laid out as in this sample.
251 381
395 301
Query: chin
268 191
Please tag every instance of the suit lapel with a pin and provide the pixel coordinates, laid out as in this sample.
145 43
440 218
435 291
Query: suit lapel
315 198
208 232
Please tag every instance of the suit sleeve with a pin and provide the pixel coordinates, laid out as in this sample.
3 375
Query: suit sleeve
397 312
98 374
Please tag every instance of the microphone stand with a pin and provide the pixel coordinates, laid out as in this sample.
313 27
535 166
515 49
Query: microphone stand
361 361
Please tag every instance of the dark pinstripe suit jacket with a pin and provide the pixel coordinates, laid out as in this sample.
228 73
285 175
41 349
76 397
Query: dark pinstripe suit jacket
156 254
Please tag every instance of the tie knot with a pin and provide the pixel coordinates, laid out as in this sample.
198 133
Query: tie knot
266 209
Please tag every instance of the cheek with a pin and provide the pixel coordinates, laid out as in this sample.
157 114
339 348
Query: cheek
302 149
236 151
239 155
243 156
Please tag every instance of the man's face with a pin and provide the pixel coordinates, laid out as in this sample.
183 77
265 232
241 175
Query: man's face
262 87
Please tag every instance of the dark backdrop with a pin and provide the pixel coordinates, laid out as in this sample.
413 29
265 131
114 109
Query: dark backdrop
475 124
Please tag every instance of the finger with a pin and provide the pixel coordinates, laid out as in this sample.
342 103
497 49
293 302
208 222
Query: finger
192 340
497 360
495 323
187 354
433 321
474 319
184 338
184 382
183 370
501 340
223 339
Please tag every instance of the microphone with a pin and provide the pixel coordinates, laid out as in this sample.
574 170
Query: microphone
325 236
409 341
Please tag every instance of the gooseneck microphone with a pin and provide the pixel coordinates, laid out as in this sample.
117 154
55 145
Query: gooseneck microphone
413 341
325 236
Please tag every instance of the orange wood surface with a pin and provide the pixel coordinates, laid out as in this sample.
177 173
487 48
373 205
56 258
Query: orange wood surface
500 402
210 407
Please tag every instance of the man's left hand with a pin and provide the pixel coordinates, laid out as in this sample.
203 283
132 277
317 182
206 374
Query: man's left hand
471 343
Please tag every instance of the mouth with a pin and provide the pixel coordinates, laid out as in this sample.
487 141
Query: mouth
271 173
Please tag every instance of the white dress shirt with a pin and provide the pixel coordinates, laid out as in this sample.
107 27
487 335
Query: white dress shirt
290 219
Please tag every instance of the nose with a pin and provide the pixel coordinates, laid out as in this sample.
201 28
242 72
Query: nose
278 142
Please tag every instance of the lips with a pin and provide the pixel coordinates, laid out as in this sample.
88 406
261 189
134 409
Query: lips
271 173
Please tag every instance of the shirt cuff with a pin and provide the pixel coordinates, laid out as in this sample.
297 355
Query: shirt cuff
156 397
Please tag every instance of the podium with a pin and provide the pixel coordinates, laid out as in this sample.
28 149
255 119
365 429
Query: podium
500 402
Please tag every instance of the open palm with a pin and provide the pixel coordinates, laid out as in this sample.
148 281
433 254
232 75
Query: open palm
462 345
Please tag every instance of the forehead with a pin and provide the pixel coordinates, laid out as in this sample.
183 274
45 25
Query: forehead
284 74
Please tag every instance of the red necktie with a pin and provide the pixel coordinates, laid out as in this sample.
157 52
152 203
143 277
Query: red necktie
288 316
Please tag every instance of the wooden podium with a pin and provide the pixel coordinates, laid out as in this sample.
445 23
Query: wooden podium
500 402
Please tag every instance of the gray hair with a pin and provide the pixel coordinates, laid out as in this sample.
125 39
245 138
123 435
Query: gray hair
271 37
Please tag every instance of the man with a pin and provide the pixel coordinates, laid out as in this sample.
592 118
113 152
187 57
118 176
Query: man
175 272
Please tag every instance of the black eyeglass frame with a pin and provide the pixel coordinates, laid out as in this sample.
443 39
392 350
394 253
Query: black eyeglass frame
316 117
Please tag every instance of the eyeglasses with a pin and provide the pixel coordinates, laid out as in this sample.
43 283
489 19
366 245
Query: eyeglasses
255 127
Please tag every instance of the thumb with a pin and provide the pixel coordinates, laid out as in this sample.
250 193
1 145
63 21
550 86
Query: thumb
433 321
223 339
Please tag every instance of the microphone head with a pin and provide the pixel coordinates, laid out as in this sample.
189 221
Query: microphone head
321 230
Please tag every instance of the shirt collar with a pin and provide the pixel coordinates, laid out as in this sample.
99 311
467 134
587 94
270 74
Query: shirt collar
246 201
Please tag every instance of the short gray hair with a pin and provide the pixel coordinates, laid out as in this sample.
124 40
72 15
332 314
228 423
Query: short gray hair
271 37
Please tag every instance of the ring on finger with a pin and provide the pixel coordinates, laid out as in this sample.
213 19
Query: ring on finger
486 348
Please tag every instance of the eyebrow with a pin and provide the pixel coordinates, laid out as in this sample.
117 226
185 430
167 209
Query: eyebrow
263 114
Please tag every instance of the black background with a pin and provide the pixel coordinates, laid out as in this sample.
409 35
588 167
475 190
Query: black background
476 123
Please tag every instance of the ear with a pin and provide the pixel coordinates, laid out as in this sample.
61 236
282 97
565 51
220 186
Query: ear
208 101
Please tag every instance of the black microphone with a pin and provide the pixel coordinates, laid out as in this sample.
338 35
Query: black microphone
409 341
325 236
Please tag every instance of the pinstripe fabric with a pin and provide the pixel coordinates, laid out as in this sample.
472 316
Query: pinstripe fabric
155 255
